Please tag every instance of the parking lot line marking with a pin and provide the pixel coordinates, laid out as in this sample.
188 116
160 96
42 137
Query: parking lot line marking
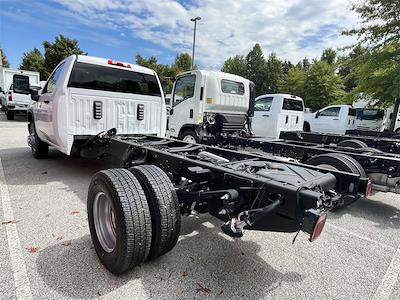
21 280
362 237
388 282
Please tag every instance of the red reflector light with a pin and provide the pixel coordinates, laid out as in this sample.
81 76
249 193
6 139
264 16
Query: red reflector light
10 97
119 64
368 191
318 227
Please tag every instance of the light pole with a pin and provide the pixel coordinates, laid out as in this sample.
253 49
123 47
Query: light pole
194 36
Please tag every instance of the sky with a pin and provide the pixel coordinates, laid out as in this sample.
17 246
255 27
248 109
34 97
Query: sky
119 29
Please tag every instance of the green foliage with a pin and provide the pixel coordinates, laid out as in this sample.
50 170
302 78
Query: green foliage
34 61
380 22
257 69
329 55
235 65
322 85
61 48
293 82
4 61
274 73
183 62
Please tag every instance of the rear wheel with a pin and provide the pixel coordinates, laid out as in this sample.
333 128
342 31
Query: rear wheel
339 162
119 220
189 136
352 144
306 127
39 148
164 208
10 115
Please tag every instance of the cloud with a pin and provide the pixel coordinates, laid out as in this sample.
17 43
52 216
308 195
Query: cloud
293 29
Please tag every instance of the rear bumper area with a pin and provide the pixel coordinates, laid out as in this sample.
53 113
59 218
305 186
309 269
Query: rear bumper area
17 107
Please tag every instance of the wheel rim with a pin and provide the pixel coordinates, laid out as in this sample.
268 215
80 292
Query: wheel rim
32 138
189 139
104 222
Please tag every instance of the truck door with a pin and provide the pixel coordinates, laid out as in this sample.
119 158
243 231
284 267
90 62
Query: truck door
44 116
262 123
327 120
184 104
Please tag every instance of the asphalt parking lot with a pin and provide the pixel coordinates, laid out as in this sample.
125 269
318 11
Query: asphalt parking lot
46 251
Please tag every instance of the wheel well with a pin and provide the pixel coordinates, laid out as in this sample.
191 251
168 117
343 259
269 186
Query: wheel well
185 128
30 117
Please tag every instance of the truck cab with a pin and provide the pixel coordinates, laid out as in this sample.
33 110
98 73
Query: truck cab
335 119
86 95
276 113
208 103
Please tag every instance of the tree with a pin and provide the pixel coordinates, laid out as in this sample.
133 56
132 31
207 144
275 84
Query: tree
322 85
274 73
183 62
257 69
34 61
61 48
346 68
377 70
286 66
306 64
329 55
293 83
4 61
235 65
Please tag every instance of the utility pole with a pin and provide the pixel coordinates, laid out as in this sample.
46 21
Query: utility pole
194 37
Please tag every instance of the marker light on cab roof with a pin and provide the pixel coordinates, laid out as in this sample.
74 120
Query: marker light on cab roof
119 63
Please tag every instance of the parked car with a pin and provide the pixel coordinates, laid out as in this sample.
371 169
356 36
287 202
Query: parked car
331 119
276 113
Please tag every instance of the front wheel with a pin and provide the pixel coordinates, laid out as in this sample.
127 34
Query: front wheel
189 136
10 115
39 148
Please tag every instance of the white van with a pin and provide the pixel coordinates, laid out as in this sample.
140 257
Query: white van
275 113
86 95
208 103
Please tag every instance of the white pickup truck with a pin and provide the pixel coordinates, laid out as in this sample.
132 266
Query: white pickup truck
335 119
276 113
71 106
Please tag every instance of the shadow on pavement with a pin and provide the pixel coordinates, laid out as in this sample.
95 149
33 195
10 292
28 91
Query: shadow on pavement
384 215
202 259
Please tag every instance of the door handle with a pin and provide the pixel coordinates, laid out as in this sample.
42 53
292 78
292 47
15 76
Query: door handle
46 101
335 119
266 116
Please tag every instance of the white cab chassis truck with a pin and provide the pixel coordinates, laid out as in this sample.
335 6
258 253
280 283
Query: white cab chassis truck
86 95
276 113
335 119
134 209
208 103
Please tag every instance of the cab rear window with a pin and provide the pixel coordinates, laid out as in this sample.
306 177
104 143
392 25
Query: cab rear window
105 78
232 87
292 104
352 112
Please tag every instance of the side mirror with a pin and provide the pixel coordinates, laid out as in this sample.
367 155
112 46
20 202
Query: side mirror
317 114
21 84
34 95
171 111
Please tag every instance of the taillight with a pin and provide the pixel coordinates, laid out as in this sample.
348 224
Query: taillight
9 97
119 64
314 222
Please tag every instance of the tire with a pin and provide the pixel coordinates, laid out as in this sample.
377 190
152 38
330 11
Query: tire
306 127
352 143
396 136
189 136
10 115
340 162
39 148
164 208
125 239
